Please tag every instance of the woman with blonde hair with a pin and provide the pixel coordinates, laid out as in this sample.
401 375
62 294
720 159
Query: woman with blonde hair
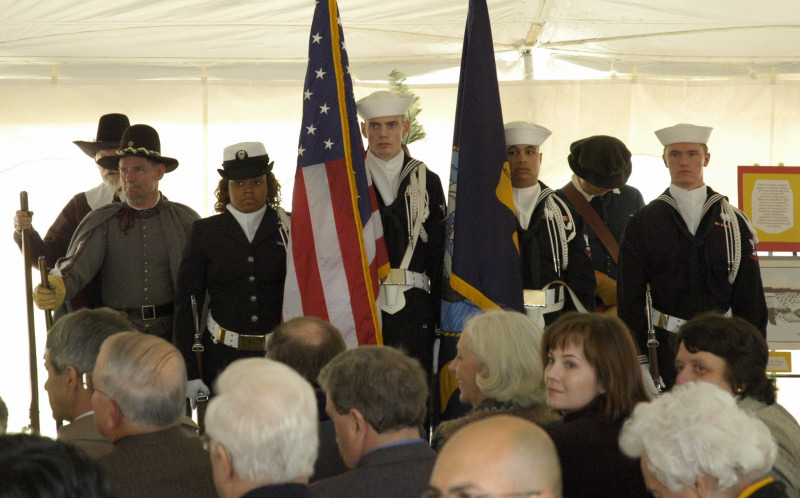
499 370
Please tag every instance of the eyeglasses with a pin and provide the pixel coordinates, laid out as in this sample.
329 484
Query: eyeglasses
464 493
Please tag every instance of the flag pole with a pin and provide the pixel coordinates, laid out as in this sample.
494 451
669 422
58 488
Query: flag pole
27 257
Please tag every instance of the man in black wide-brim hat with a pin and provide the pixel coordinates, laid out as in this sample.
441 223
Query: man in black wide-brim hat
135 245
55 242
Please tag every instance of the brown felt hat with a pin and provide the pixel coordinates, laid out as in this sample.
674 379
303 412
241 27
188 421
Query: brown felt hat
601 160
139 140
109 132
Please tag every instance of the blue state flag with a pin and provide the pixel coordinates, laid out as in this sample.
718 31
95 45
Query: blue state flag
482 266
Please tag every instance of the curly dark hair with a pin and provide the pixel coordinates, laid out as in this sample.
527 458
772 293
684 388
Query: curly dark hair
740 344
273 193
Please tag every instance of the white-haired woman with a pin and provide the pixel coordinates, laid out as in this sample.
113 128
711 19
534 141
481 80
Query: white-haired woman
695 441
499 370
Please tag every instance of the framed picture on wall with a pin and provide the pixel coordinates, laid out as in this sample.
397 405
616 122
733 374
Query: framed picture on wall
767 196
781 278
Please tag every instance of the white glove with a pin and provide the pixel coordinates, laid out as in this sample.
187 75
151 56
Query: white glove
647 377
196 389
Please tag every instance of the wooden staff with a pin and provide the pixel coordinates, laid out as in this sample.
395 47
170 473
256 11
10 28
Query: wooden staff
27 257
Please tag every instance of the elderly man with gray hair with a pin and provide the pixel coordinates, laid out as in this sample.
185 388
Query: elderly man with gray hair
261 429
139 384
695 438
376 397
72 347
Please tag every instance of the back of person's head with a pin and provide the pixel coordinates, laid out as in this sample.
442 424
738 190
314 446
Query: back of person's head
608 346
145 375
41 467
75 338
501 455
388 387
697 430
265 415
3 417
742 347
306 344
507 344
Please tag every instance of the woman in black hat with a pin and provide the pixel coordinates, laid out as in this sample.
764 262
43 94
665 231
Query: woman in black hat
238 258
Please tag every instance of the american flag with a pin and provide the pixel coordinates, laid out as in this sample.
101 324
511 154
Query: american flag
336 252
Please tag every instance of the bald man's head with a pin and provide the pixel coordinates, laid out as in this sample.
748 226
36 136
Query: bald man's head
502 454
306 344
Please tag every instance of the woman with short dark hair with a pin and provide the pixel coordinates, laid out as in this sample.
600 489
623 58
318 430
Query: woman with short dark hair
592 376
731 353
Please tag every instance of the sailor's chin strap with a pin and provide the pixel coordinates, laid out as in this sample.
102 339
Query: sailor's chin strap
417 205
557 230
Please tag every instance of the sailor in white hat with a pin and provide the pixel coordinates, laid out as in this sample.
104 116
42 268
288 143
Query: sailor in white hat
552 245
412 203
695 251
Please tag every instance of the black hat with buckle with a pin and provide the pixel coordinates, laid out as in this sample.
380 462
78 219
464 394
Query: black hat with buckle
139 140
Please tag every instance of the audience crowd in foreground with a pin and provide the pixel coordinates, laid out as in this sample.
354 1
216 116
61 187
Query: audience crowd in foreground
718 433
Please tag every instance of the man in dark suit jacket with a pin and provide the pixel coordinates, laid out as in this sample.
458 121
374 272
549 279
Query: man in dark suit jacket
307 344
376 398
139 384
262 431
72 347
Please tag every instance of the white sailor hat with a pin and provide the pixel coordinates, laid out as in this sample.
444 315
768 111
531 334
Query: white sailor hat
524 133
383 103
684 133
244 160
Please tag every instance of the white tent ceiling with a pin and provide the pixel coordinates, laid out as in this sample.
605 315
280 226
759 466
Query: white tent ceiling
267 40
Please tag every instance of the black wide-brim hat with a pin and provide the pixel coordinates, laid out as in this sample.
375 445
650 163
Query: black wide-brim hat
245 160
139 140
601 160
109 132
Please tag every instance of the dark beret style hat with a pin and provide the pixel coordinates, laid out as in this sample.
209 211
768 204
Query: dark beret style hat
601 160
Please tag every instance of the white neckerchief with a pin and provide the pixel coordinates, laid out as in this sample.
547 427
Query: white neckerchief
584 193
385 175
525 202
101 195
690 204
248 221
